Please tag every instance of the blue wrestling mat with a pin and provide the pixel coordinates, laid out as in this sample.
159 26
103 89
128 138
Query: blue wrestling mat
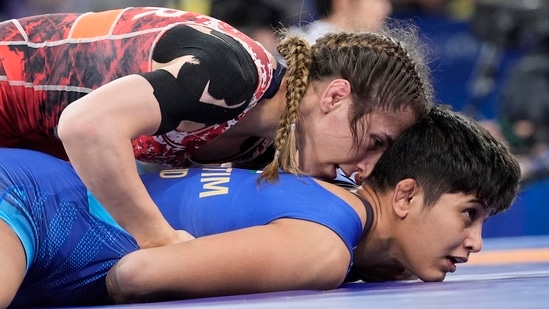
510 272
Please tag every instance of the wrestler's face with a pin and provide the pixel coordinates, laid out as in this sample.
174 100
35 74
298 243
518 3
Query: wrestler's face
433 240
333 145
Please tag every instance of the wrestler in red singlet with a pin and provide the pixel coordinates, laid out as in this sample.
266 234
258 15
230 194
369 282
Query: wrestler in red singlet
49 61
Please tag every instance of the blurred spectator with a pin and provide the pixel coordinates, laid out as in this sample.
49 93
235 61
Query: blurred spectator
258 19
492 62
22 8
446 28
454 9
523 103
3 15
346 15
294 11
103 5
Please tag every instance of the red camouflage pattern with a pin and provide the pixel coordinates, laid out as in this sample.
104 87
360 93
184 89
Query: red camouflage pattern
49 61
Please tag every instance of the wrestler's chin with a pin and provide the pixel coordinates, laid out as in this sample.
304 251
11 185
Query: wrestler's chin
433 276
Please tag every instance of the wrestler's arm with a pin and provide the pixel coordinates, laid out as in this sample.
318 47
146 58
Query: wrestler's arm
287 254
12 264
97 129
96 132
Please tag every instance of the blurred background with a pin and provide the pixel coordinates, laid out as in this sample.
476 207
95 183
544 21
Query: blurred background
489 59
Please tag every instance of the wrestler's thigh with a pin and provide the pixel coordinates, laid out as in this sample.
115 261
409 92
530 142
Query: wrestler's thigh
12 264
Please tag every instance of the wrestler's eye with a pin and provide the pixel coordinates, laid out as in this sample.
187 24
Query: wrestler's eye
378 141
471 213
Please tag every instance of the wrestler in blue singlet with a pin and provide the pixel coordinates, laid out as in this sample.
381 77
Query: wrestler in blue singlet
71 241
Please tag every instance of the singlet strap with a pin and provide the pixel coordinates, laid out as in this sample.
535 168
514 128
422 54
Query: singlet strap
369 214
349 185
276 81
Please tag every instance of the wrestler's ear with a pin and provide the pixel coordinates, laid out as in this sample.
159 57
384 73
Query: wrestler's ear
405 197
336 91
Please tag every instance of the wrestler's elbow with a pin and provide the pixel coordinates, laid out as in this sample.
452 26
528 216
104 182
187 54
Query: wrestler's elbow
125 282
76 127
331 270
67 127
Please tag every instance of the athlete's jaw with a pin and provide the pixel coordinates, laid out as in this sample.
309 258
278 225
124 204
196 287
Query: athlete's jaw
437 272
324 171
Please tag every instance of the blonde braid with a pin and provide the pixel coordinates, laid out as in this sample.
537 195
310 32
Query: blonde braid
297 53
